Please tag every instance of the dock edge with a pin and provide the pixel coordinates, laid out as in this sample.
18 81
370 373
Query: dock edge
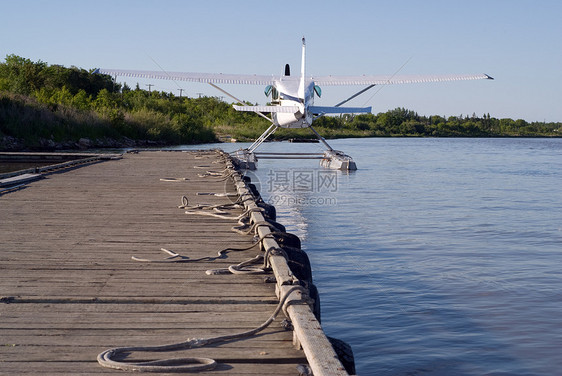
308 333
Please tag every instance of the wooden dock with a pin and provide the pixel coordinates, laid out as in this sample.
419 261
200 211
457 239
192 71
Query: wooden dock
69 288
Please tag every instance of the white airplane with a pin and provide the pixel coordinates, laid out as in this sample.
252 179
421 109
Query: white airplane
292 102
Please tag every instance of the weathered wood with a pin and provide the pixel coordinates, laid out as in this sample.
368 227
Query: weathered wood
308 331
102 337
235 352
20 179
69 288
93 368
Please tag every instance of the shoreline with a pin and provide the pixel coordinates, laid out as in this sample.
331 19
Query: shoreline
12 144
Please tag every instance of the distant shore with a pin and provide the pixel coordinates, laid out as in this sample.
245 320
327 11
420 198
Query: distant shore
11 144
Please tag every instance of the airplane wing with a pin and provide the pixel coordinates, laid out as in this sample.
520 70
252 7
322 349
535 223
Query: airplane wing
254 79
218 78
396 79
283 109
339 110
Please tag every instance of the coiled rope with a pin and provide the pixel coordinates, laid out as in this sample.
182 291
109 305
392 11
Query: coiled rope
108 357
245 268
215 210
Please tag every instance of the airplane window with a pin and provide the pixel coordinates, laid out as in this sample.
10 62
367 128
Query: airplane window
318 91
267 90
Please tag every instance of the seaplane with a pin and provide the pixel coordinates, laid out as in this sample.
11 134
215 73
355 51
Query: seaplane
292 103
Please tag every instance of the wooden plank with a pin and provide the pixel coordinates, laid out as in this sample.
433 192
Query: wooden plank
19 179
92 368
106 337
46 353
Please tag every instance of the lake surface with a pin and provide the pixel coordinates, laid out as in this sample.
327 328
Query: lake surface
438 256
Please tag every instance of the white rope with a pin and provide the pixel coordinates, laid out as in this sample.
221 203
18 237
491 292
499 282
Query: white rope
221 215
174 179
228 194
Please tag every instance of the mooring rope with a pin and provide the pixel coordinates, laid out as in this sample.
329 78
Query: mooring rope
245 268
233 205
221 215
227 194
174 179
244 229
177 258
217 210
195 364
222 176
201 167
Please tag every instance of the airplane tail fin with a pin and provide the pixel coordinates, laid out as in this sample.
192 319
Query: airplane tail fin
301 85
339 110
303 57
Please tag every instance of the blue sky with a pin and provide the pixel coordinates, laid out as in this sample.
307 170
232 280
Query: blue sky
517 42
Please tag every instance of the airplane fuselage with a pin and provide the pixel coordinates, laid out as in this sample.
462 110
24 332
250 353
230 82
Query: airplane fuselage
288 95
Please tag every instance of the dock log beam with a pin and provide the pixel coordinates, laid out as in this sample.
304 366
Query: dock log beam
308 333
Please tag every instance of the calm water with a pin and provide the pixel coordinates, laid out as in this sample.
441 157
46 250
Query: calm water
436 257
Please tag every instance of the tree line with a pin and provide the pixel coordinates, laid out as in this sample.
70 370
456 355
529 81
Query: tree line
42 104
403 122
